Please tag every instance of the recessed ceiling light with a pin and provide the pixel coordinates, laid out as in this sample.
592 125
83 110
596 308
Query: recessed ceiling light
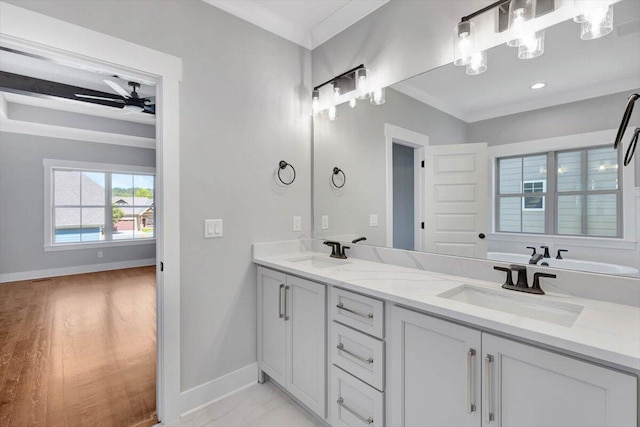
538 85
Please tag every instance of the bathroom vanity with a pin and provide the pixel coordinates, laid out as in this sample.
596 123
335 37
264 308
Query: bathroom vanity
367 343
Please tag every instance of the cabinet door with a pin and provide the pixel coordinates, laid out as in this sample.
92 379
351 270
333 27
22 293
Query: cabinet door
306 344
271 324
528 386
433 372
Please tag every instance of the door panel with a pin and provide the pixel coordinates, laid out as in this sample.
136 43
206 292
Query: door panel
456 191
433 378
528 386
306 351
272 345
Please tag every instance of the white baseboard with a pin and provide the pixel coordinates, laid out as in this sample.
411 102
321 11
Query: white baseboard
205 394
66 271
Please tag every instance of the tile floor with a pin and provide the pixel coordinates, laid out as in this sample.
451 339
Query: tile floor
259 405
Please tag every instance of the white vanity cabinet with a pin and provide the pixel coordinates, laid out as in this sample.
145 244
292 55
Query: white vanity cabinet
444 374
292 335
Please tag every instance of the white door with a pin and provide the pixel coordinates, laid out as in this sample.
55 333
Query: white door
306 350
433 372
456 199
272 334
541 388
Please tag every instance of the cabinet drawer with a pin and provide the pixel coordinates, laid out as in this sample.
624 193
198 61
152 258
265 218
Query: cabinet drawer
354 403
358 354
363 313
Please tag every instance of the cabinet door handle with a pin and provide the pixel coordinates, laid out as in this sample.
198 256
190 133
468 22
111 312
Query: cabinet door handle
286 303
344 350
280 302
471 407
488 380
366 316
364 419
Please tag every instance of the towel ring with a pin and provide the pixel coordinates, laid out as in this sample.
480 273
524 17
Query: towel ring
283 165
632 147
336 171
625 119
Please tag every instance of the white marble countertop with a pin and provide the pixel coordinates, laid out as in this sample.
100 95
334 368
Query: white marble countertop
604 331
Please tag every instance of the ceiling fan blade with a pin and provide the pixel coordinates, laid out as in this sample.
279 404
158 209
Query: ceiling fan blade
100 98
115 86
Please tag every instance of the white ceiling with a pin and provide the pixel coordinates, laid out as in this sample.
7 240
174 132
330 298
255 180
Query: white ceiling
573 70
308 23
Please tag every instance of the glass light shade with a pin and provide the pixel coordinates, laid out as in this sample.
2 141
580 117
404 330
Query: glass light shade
521 13
531 46
352 103
462 43
377 96
477 63
362 83
315 102
332 113
596 22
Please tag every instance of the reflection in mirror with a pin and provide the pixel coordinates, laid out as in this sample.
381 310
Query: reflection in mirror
485 166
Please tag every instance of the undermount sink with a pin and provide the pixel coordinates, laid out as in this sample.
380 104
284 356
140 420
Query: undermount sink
319 262
533 307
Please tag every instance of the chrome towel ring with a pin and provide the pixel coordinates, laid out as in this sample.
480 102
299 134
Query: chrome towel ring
337 171
282 166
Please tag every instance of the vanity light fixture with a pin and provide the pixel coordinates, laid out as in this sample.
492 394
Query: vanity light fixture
349 86
531 46
538 85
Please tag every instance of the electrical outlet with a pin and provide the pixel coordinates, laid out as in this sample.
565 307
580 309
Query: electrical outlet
297 223
373 220
99 254
325 222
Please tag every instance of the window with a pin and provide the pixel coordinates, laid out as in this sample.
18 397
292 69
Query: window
98 204
574 192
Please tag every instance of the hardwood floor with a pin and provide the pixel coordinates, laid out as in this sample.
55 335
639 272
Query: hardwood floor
79 350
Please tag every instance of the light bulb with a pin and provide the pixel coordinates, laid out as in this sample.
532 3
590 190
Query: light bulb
336 91
352 103
315 102
362 83
377 96
531 46
477 63
332 113
462 43
521 13
597 22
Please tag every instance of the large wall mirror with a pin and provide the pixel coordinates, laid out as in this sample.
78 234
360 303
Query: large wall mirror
487 165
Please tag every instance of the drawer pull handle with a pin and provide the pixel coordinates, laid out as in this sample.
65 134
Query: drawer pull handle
280 302
366 420
366 316
344 350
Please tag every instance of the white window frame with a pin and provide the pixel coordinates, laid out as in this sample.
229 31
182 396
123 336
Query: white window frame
585 140
52 164
533 194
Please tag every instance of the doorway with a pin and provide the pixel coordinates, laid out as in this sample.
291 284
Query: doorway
23 29
405 151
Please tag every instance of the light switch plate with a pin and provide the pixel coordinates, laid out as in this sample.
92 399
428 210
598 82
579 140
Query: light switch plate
325 222
297 223
373 220
212 228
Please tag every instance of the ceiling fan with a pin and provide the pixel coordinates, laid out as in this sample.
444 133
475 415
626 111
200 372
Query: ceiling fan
132 101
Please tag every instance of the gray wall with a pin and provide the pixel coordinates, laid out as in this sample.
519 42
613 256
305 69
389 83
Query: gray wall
22 201
356 143
244 106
